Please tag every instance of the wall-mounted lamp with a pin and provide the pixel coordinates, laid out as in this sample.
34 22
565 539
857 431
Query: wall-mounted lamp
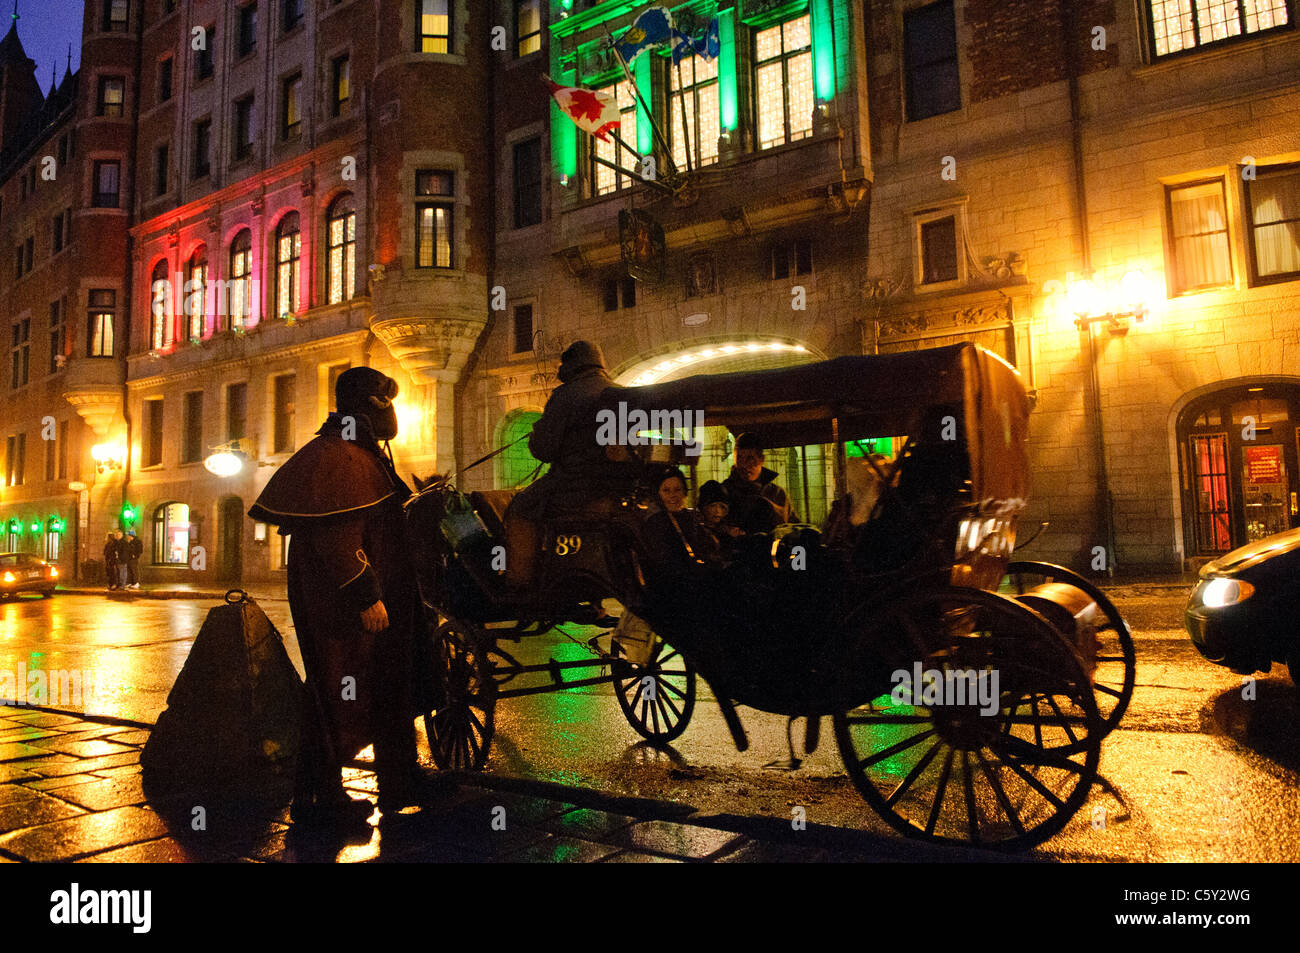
225 461
108 457
1091 303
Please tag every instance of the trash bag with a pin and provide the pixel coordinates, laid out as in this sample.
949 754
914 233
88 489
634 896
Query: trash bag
233 716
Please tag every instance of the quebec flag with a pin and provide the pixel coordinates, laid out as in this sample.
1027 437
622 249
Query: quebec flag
653 28
707 45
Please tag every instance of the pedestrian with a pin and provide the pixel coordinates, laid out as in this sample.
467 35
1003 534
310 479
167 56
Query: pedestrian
135 549
758 503
110 560
355 604
123 558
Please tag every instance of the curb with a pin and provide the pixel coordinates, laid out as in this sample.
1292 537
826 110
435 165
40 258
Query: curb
128 595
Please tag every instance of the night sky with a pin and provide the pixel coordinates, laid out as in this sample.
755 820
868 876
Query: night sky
46 27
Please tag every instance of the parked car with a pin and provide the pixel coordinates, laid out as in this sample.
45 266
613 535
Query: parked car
1242 614
23 572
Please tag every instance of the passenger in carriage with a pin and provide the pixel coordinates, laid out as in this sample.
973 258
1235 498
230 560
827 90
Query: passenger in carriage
717 533
758 503
672 534
582 477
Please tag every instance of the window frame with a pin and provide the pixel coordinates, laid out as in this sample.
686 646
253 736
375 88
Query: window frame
162 168
1248 211
516 311
58 336
290 131
246 29
160 326
243 148
1171 239
205 63
290 267
784 58
97 313
192 427
104 108
197 268
520 40
112 25
20 353
341 210
909 110
595 170
166 78
1147 20
434 201
201 159
339 104
448 38
239 286
535 180
289 23
152 434
922 217
692 91
100 199
284 424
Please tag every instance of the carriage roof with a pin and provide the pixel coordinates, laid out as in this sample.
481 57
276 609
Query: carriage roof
867 396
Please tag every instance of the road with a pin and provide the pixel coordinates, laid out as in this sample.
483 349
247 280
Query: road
1196 771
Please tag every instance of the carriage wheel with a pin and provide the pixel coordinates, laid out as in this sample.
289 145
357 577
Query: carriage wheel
1116 669
460 732
946 772
659 697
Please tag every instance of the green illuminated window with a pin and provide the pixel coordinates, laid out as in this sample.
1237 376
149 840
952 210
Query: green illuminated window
783 82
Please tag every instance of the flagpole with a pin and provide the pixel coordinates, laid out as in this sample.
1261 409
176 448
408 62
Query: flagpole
654 126
628 172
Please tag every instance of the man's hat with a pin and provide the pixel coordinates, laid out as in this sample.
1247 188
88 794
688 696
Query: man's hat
362 389
713 492
579 356
749 441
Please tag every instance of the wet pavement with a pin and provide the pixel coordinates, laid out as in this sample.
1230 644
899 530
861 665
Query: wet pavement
1195 771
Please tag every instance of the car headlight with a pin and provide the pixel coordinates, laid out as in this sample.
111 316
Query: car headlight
1220 592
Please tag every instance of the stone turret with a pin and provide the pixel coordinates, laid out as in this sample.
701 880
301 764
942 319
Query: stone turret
20 93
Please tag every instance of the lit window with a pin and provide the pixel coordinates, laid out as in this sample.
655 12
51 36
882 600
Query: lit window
342 84
1273 207
1198 227
106 184
434 206
291 106
116 13
528 26
58 335
20 353
699 81
160 307
1181 25
112 92
341 263
171 535
433 29
196 293
783 82
608 180
99 323
288 251
239 289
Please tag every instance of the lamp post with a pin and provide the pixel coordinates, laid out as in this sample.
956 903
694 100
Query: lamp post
1115 307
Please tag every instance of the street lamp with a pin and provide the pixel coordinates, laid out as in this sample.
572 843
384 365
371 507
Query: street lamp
1115 306
225 461
108 457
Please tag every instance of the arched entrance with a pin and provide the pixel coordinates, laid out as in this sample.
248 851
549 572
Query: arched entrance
1239 465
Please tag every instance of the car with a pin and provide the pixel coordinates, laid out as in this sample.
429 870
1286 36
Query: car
23 572
1242 613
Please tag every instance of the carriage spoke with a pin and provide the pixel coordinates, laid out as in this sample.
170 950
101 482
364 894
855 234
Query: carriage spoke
1106 689
943 789
669 702
1040 757
915 773
895 749
1000 793
1034 783
1064 721
972 821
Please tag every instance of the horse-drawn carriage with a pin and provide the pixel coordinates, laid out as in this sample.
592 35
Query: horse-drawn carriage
969 694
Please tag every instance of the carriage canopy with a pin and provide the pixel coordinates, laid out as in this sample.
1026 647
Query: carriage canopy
863 396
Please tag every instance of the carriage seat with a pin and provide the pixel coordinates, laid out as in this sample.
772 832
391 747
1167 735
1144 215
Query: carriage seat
491 507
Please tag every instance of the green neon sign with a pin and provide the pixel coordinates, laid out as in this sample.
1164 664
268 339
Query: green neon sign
823 50
727 104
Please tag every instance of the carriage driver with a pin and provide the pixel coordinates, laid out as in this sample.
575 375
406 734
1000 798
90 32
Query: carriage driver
582 476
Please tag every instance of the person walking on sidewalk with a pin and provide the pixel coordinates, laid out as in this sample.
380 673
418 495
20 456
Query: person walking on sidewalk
110 560
134 549
123 558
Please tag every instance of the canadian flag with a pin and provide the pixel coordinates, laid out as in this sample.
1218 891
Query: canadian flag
591 110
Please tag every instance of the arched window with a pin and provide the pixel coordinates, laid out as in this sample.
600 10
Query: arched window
517 463
239 299
160 307
196 291
341 265
171 535
288 250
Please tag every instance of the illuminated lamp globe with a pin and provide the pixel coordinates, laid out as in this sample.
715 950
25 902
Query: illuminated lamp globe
223 463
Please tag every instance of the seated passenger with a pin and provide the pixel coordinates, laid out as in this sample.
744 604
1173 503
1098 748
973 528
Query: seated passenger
671 534
758 503
717 534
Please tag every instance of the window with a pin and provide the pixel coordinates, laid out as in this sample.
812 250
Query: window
792 258
341 262
930 57
783 82
939 250
115 15
620 292
171 535
161 168
164 79
51 456
608 180
288 250
703 125
160 307
192 443
15 459
284 412
60 230
292 14
65 434
236 411
528 26
196 293
1273 211
528 183
20 353
112 92
152 451
1178 27
523 328
1198 229
18 262
341 84
107 178
239 288
202 149
22 187
29 248
58 335
63 150
433 26
244 127
247 28
99 322
291 106
204 63
434 193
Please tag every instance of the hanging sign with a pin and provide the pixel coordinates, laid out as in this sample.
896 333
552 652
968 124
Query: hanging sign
1263 464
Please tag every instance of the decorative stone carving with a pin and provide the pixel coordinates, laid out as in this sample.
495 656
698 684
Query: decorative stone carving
214 222
97 407
979 316
308 183
258 205
429 349
174 235
1010 265
702 276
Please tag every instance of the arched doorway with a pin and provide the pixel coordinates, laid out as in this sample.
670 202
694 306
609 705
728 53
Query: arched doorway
1239 465
231 520
516 464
